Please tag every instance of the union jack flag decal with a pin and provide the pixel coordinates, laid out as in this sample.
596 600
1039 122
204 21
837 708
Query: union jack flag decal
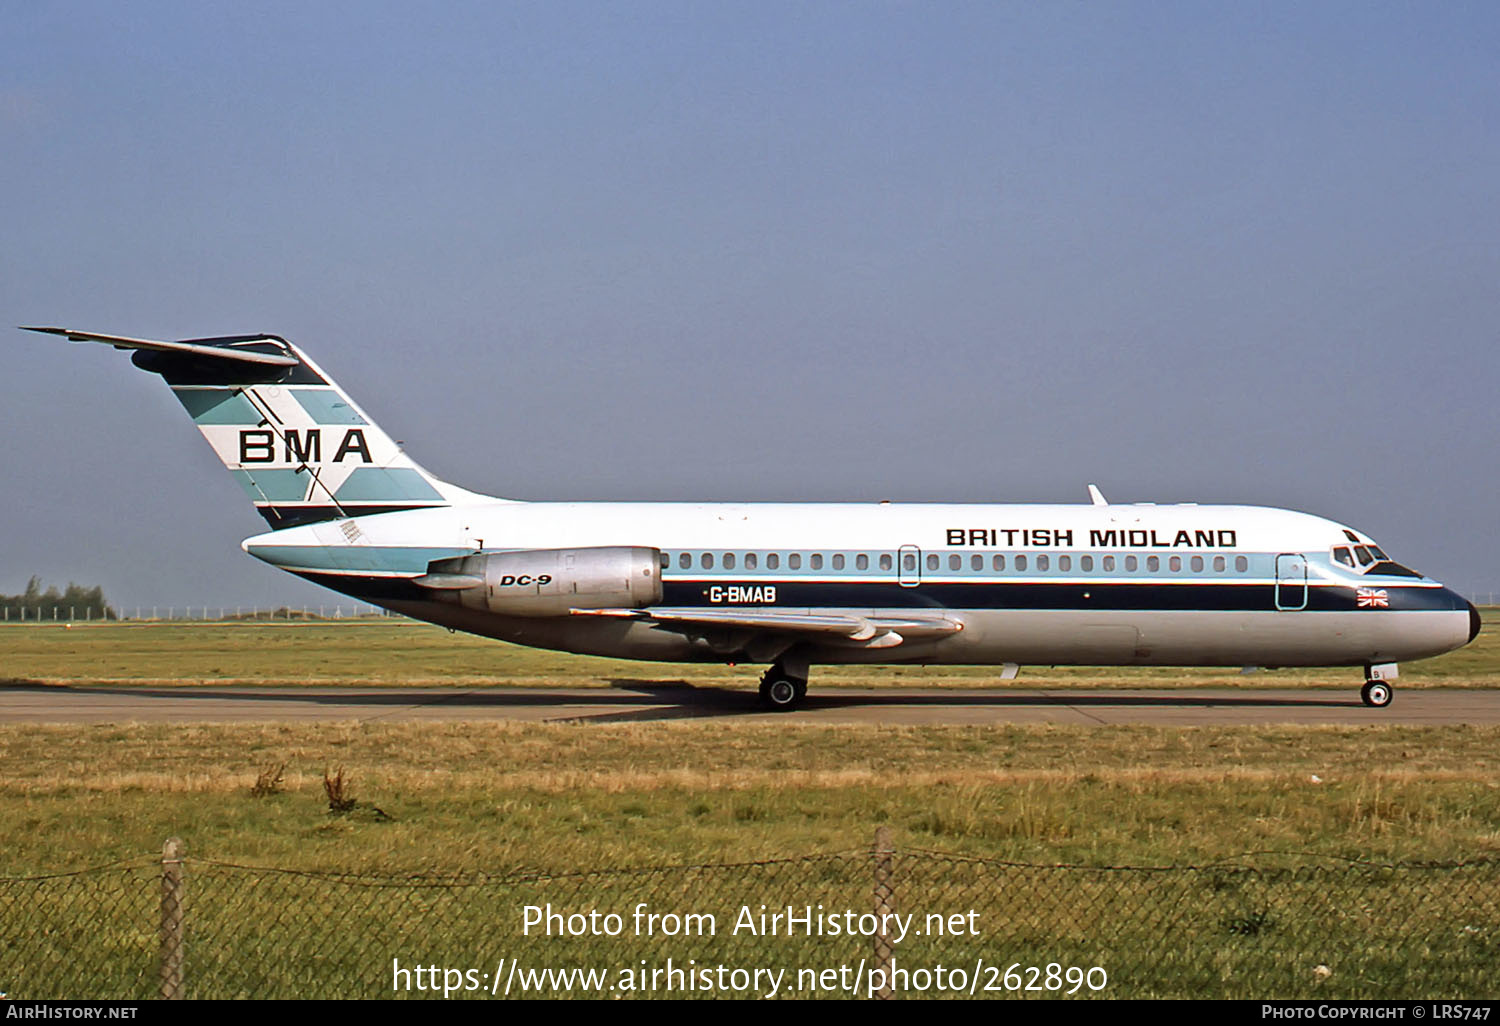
1372 598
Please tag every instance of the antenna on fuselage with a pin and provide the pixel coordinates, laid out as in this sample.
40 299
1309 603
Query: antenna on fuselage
1096 496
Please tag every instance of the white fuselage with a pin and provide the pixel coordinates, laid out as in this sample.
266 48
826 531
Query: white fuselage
1050 584
783 583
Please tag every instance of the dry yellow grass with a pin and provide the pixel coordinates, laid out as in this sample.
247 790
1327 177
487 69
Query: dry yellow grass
394 652
569 796
621 782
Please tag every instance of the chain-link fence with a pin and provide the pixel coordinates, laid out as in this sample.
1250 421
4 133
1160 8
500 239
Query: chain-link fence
875 921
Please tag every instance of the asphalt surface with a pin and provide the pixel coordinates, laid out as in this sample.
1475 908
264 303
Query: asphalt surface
629 701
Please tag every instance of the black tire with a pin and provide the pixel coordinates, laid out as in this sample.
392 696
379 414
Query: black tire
1377 694
780 692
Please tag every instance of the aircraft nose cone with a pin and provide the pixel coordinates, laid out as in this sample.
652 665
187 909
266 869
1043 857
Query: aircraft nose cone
1474 622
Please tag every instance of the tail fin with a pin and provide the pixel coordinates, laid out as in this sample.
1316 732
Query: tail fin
300 448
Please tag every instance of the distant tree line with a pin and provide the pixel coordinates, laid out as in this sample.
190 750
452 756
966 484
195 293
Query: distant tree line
75 602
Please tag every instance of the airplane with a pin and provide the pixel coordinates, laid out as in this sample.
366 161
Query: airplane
792 585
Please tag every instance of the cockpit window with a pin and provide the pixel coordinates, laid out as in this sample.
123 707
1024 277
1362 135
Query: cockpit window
1372 560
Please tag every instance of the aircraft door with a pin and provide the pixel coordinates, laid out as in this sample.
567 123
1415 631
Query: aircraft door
1291 581
909 566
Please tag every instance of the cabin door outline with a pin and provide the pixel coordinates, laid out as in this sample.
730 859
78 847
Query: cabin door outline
1291 581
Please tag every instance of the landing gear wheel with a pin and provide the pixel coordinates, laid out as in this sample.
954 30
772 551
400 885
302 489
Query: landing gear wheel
781 692
1376 694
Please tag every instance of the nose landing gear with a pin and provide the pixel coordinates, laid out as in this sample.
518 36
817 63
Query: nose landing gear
1378 691
1376 694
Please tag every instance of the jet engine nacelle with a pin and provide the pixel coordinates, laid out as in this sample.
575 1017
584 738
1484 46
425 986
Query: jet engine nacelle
549 582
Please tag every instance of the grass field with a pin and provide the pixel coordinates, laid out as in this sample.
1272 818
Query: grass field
508 796
511 797
551 809
387 652
560 796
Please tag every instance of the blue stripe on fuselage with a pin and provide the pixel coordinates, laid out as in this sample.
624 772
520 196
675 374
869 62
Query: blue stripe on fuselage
1067 596
1046 595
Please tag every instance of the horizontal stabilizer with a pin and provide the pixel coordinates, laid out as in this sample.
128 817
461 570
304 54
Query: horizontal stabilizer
216 348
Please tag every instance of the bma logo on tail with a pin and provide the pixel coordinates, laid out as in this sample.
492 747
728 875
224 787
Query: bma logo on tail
259 446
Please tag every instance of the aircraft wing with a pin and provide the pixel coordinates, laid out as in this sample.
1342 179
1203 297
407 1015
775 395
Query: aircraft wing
836 628
217 348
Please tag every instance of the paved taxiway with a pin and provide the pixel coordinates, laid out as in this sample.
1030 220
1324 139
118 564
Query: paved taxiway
646 701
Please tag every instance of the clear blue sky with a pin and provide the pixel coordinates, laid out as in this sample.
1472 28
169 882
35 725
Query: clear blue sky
971 252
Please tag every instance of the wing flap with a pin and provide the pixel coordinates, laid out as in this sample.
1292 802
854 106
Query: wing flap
870 631
196 347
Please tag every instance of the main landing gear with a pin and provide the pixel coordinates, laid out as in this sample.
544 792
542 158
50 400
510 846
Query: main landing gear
781 690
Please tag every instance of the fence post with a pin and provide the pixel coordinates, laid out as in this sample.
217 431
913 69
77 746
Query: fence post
172 896
885 903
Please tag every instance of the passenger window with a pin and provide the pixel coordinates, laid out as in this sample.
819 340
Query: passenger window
729 561
707 561
1086 563
1218 564
773 561
685 561
666 560
794 561
1197 564
816 561
932 562
1241 564
1042 562
998 562
955 561
885 561
1020 562
1153 563
1344 556
1175 564
1108 562
751 561
1065 562
909 563
1131 564
861 562
838 561
976 562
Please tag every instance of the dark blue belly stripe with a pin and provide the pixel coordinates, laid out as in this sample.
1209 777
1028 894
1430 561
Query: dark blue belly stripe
976 595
